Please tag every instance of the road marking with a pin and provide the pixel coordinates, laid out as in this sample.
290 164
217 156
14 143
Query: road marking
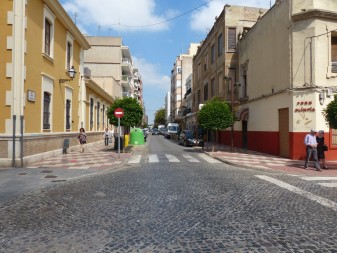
331 185
172 159
153 158
319 178
191 159
135 159
318 199
208 158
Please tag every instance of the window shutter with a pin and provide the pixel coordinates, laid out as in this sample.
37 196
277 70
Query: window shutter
231 39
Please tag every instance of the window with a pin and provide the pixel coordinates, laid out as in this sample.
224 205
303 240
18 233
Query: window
212 54
198 99
179 70
333 137
47 37
206 92
178 83
48 32
212 87
206 62
46 110
69 50
220 83
199 70
333 54
68 106
244 90
232 75
231 39
98 109
91 112
220 45
103 116
178 97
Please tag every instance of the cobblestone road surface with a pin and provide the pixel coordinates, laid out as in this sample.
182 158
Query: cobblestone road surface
168 208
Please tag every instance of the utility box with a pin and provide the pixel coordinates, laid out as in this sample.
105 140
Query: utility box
137 136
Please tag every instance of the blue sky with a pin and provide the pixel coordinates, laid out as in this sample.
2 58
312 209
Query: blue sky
153 42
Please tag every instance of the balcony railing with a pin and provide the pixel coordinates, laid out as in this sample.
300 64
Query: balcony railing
126 94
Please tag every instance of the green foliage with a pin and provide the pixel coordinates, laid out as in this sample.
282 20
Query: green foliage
330 113
160 117
215 115
133 112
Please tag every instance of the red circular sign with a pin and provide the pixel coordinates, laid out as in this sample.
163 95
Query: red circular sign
118 112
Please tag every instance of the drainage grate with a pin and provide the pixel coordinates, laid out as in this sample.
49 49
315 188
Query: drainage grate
60 180
22 174
50 176
46 171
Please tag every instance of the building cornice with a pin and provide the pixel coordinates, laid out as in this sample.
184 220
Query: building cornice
64 18
314 13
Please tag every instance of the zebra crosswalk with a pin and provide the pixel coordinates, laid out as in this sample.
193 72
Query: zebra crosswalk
157 158
323 181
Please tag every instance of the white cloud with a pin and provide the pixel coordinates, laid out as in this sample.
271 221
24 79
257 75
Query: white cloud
151 74
118 15
203 19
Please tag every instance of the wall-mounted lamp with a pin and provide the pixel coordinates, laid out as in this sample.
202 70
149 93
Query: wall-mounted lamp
321 98
71 72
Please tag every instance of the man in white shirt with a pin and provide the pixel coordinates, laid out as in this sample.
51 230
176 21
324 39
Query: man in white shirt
311 148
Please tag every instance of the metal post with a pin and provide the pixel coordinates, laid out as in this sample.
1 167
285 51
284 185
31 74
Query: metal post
119 137
232 104
21 140
14 140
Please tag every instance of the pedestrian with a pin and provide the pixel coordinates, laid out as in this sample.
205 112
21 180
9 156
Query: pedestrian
82 138
106 136
320 148
311 149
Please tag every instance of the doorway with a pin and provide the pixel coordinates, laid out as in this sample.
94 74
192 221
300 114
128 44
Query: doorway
284 132
244 134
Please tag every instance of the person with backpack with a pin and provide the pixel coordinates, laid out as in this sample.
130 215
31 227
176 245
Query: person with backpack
82 138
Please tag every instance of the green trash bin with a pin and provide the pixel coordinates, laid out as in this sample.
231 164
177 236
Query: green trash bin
136 136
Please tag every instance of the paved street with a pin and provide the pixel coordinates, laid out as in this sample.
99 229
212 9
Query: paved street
173 199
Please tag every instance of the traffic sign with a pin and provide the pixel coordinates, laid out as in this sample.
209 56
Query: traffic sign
118 112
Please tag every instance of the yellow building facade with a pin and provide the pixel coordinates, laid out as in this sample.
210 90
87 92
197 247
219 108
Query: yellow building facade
41 103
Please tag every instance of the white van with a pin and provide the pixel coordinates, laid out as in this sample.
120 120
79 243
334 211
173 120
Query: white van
172 128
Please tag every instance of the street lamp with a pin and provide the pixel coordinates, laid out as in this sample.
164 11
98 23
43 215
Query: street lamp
71 73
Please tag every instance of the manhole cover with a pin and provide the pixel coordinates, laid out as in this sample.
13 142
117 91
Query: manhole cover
46 171
60 180
22 174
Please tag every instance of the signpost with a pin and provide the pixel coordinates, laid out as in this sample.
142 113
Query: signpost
118 112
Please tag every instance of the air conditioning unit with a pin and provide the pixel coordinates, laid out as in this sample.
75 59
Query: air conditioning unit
87 72
329 92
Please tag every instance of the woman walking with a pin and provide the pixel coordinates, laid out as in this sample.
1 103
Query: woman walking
82 138
320 149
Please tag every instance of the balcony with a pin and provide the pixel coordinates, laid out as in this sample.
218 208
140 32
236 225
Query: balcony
126 94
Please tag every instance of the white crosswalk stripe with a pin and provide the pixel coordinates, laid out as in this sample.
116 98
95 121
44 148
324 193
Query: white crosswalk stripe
135 159
208 158
172 158
153 158
332 184
190 158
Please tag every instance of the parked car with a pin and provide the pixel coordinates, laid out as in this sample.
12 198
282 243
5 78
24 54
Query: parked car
155 131
187 138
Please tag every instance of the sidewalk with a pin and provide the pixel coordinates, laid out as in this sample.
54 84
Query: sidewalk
252 159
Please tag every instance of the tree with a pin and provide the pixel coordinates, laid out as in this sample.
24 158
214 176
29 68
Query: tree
215 115
160 117
133 112
330 113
